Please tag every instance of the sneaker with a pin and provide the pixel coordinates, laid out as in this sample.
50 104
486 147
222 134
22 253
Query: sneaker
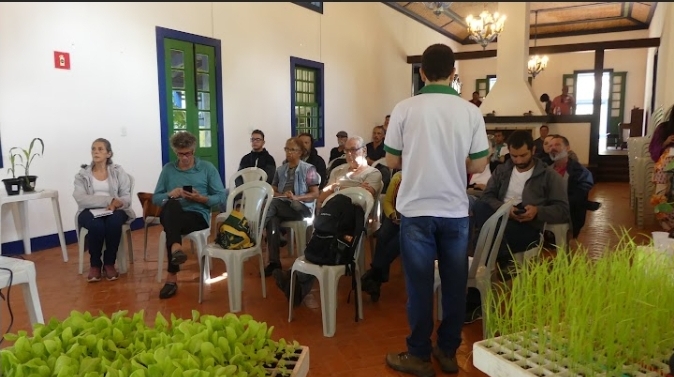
110 273
178 257
271 267
407 363
448 363
473 315
371 285
282 279
94 274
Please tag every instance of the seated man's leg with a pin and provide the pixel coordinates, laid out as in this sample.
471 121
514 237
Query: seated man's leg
517 238
279 211
385 252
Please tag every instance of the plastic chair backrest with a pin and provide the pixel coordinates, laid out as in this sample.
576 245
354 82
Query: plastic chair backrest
257 199
359 196
248 175
489 240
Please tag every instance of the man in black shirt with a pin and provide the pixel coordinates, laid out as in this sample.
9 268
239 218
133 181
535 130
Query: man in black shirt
375 148
258 157
338 151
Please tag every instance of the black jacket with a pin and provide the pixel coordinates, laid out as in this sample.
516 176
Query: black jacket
262 160
579 185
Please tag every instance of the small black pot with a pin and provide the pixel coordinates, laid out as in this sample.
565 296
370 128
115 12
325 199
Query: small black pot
28 182
12 185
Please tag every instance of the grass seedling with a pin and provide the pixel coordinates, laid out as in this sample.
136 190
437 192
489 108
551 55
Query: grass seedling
597 315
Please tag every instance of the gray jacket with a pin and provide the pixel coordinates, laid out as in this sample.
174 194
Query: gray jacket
545 189
120 188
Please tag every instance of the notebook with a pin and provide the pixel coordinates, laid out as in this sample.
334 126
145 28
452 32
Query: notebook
100 212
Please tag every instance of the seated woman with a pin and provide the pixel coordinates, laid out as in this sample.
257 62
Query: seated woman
103 184
187 190
387 248
662 154
295 183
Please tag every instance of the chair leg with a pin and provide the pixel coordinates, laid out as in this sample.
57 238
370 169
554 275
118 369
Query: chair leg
234 266
328 287
129 245
145 242
32 300
264 281
291 241
80 243
201 280
160 255
293 281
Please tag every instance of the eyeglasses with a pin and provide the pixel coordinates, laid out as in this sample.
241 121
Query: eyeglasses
253 139
291 150
352 150
185 154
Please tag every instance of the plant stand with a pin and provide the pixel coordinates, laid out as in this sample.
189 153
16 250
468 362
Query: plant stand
506 356
300 367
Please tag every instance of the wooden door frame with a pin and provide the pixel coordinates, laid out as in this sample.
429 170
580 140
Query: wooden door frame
161 34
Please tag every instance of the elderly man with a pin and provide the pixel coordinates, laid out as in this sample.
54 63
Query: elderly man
355 173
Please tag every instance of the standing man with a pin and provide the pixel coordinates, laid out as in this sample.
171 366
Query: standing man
564 104
476 99
436 125
538 143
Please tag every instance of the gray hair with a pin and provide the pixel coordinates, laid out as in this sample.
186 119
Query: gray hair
183 140
360 140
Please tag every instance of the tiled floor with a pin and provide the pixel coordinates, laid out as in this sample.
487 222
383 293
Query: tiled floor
357 349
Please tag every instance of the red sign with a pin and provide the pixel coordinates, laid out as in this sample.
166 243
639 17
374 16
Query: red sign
61 60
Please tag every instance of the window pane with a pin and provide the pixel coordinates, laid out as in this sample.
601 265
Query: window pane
177 59
617 80
202 63
203 101
177 79
179 119
202 82
204 139
178 99
204 119
584 109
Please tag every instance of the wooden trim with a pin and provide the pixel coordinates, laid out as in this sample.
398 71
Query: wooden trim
588 5
596 105
557 49
423 21
548 119
586 21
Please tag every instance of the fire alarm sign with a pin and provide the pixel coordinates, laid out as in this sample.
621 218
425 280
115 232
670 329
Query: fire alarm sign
61 60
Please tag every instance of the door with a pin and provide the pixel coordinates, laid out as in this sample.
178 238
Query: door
191 95
570 81
482 87
616 101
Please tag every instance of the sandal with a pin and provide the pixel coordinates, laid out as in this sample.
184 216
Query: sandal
168 290
178 257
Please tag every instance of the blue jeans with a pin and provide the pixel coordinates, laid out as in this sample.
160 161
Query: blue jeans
422 240
106 229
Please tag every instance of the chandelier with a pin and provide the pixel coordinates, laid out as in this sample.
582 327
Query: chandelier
537 63
485 28
437 8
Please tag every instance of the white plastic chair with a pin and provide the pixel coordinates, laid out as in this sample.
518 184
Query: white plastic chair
198 240
248 175
258 195
328 276
298 231
479 267
126 243
23 274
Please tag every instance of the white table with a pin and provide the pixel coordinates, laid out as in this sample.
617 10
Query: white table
23 275
22 224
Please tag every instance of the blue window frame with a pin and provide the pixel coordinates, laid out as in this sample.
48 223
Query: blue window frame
315 6
307 92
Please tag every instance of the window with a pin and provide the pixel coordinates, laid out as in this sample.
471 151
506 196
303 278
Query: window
492 81
316 6
307 90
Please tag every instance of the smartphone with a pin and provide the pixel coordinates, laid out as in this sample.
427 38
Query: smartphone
519 209
187 188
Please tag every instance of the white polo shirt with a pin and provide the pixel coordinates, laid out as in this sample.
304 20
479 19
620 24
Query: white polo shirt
435 132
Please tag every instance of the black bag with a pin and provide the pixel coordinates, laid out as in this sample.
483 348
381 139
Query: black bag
337 231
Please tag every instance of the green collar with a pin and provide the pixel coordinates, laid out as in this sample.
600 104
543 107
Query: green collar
437 88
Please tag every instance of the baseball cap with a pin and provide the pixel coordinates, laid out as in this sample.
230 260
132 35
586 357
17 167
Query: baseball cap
342 134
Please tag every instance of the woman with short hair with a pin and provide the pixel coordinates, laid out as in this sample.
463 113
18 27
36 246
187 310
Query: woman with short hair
187 189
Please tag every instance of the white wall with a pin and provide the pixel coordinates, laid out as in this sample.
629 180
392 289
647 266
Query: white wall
113 80
632 61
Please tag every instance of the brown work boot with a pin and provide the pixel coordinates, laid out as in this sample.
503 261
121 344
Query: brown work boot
407 363
448 363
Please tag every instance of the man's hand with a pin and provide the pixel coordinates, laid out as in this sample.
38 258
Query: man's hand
369 161
480 186
195 196
529 215
512 214
289 195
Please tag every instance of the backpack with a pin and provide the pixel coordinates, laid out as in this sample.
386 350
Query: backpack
337 231
234 233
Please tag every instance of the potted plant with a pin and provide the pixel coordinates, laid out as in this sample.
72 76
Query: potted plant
123 346
27 156
12 185
571 315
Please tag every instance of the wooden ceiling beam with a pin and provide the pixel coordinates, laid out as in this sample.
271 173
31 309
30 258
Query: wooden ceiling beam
557 49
